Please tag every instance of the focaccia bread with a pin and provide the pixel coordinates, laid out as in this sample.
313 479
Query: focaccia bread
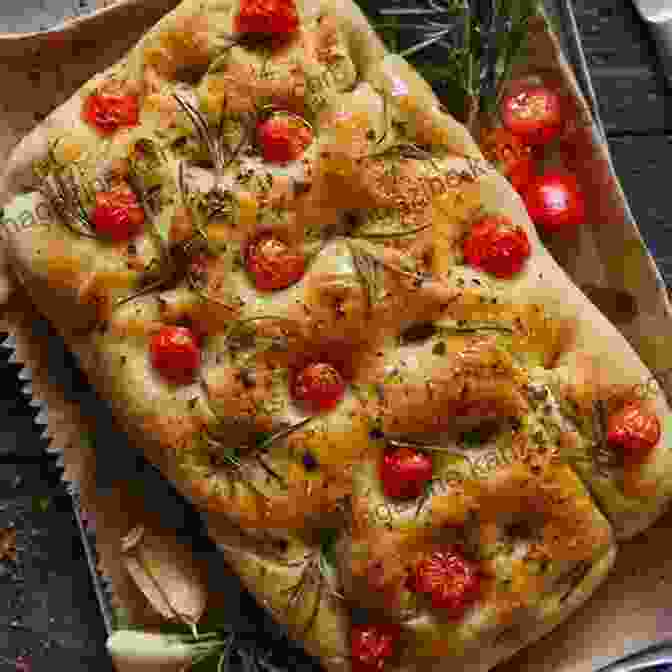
331 324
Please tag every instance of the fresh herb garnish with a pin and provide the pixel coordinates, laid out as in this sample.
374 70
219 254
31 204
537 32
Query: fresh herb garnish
472 438
318 574
221 154
64 191
480 40
370 269
469 327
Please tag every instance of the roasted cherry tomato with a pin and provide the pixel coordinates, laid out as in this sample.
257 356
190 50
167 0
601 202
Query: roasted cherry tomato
450 581
496 247
272 264
534 113
554 202
117 214
276 18
510 155
633 429
175 354
283 138
405 472
108 112
319 386
372 645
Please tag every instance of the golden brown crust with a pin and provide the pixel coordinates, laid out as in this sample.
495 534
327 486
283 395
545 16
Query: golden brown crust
382 235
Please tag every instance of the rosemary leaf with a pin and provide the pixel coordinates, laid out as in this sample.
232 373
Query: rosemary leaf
283 433
481 39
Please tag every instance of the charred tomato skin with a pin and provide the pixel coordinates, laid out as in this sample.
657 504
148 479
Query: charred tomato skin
175 354
318 386
633 430
533 113
405 472
117 214
274 18
496 247
372 645
272 264
555 202
450 581
107 112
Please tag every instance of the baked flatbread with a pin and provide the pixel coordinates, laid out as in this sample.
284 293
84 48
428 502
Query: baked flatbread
295 211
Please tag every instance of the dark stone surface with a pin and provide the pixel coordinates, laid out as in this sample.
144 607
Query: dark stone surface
48 610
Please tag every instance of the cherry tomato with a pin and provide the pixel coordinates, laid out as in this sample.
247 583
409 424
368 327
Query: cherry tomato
510 155
272 264
534 113
108 112
450 581
554 202
633 430
283 138
372 645
117 214
319 386
496 247
405 472
277 18
521 174
175 354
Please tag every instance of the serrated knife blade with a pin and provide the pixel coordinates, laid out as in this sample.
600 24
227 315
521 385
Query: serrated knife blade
658 16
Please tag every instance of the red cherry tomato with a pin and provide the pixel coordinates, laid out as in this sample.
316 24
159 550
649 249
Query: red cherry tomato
633 430
283 138
521 174
272 265
496 247
510 155
117 214
175 354
107 112
534 113
554 202
277 18
450 581
405 472
372 645
319 386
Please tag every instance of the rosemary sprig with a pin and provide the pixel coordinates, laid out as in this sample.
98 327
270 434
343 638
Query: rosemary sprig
405 150
168 268
224 456
231 457
64 194
221 154
316 573
370 273
197 284
393 234
283 433
430 447
238 335
474 328
370 269
481 39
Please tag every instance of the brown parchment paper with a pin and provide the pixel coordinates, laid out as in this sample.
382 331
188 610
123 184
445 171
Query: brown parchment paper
606 258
